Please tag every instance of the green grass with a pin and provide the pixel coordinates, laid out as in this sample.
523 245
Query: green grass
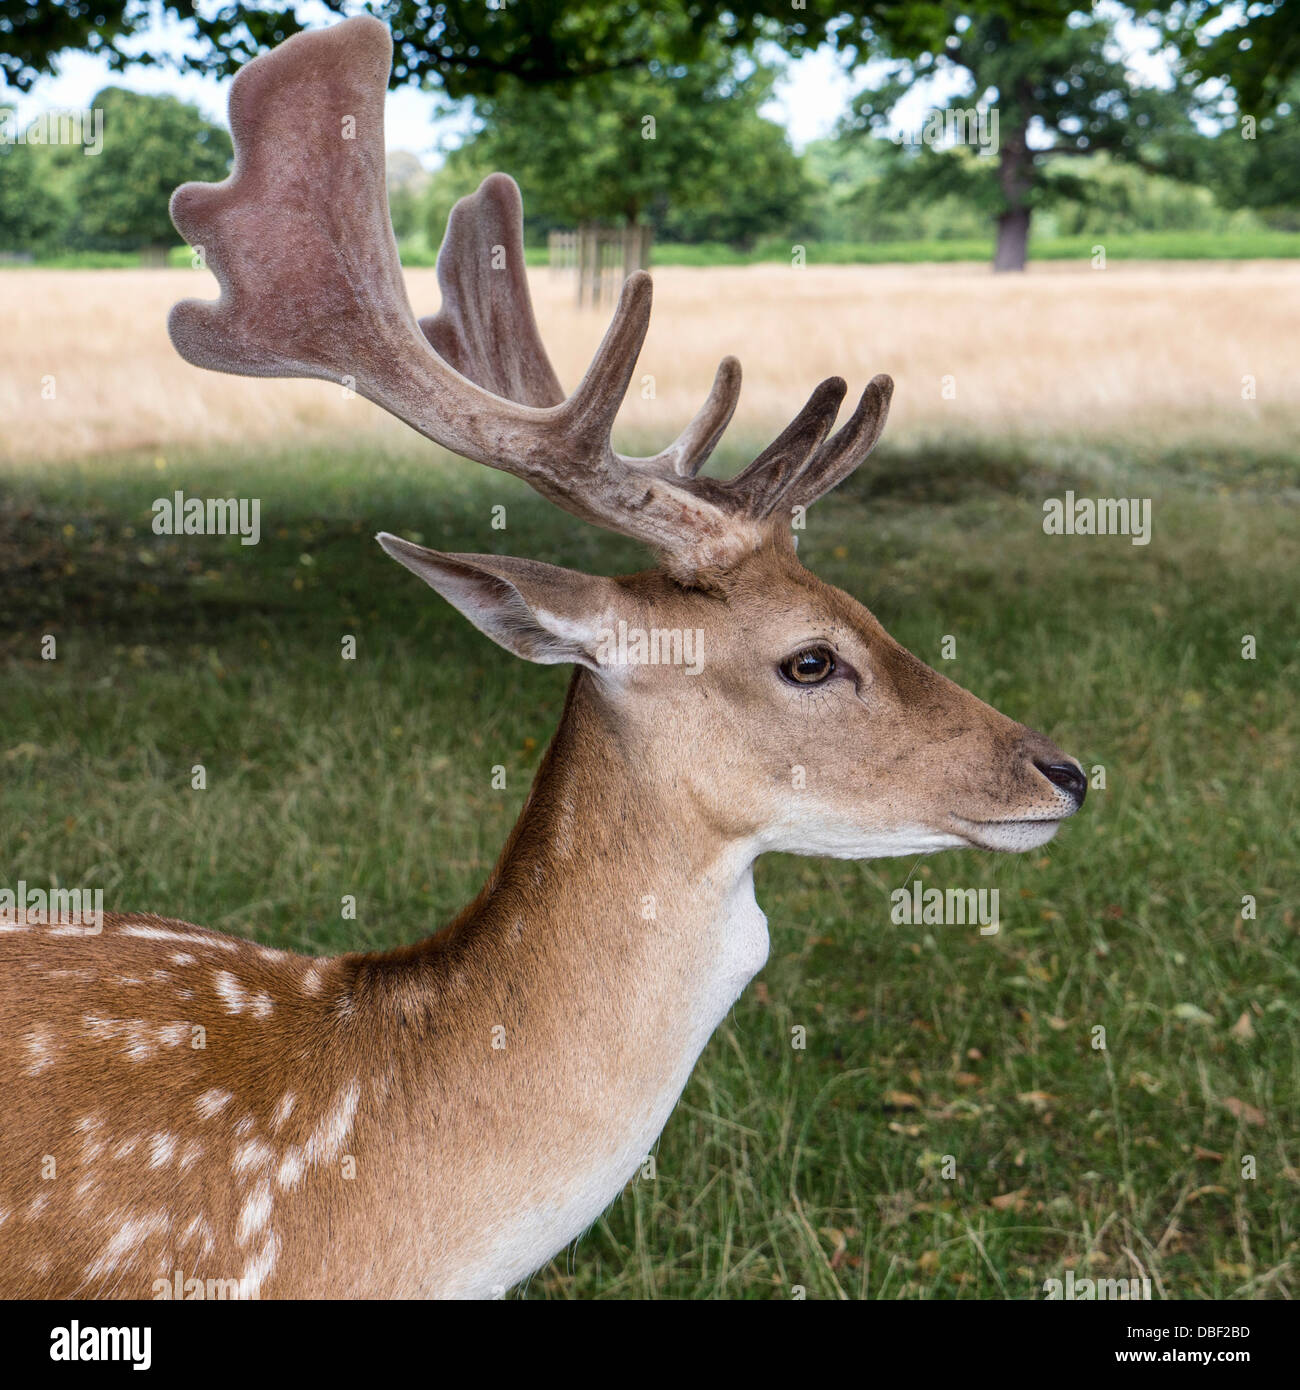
1154 246
1191 245
819 1167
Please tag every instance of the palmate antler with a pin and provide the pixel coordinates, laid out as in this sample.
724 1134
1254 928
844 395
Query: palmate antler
300 241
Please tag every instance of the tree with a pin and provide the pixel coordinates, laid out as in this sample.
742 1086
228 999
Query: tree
30 210
1253 47
474 48
151 144
683 147
1255 162
407 180
1057 95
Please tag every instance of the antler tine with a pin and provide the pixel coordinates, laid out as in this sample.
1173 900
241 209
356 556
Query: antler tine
689 452
487 331
486 327
762 482
843 451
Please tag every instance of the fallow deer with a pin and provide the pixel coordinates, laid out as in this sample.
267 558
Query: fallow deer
442 1119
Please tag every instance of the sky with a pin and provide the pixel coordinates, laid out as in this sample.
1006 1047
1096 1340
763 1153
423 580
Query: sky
809 99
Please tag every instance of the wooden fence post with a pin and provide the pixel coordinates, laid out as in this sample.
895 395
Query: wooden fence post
599 258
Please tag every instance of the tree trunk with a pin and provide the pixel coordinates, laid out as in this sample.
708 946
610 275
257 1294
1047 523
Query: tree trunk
1013 240
1016 179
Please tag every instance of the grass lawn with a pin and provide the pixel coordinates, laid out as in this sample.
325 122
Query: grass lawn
1261 244
822 1167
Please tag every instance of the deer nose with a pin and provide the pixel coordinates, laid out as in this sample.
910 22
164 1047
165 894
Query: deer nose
1068 776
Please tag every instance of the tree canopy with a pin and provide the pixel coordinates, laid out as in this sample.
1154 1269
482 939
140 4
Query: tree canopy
471 48
117 200
685 148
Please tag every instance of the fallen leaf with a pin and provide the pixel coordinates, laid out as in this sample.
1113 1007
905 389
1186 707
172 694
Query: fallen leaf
1241 1110
1010 1201
1243 1028
901 1100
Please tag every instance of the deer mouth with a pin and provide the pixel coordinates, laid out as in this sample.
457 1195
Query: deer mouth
1008 836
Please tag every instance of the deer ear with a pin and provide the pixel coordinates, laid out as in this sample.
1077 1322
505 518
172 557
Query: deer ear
540 612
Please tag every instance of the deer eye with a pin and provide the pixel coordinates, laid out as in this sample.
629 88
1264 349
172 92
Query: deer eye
810 666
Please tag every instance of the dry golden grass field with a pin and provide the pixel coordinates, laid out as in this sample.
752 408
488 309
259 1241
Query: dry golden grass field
1151 352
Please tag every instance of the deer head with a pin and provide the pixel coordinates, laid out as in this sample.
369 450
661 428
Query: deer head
794 722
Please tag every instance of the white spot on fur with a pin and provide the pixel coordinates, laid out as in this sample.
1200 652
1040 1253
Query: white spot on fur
40 1050
93 1145
198 1229
134 1032
255 1156
212 1103
236 1000
291 1168
256 1212
182 958
125 1246
161 1149
222 943
326 1140
230 991
284 1109
259 1269
141 1038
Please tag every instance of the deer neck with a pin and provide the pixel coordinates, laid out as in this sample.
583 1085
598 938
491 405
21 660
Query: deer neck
616 892
574 995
